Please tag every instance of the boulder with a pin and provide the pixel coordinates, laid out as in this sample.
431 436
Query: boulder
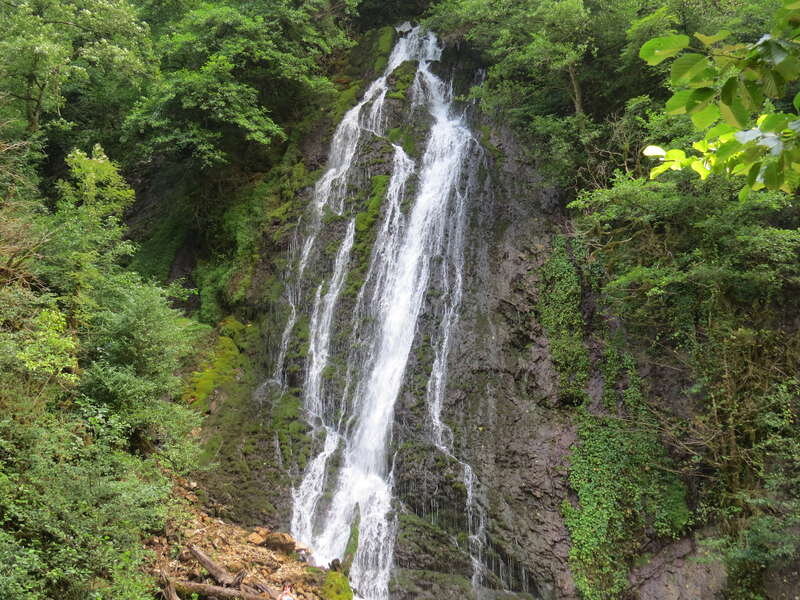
281 542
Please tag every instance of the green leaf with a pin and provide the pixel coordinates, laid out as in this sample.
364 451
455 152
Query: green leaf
710 40
657 50
752 174
677 104
773 177
688 68
774 122
744 193
719 130
788 68
727 150
734 114
729 90
704 118
656 171
796 102
675 154
772 83
699 167
751 95
699 99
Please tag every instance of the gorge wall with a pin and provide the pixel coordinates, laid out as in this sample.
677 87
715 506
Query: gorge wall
502 403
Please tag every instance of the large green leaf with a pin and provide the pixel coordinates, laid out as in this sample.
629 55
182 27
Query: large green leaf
704 118
735 114
659 49
678 103
688 68
699 99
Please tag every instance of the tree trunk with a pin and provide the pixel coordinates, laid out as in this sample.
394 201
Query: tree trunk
577 94
205 590
217 571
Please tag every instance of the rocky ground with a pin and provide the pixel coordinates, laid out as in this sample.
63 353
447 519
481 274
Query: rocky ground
257 560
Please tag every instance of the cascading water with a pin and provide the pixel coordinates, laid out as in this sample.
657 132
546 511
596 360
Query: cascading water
410 246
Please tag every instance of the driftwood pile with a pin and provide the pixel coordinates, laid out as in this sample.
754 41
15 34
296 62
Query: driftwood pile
230 586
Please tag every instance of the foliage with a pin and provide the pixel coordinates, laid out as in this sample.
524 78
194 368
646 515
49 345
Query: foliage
625 487
561 316
89 354
721 86
73 68
562 73
231 74
704 278
703 281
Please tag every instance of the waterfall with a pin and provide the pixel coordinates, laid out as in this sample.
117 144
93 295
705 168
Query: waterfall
412 245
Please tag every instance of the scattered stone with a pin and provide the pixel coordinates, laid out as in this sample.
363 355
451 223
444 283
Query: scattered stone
282 542
256 539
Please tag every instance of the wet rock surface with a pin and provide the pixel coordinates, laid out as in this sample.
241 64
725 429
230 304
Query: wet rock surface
680 571
500 402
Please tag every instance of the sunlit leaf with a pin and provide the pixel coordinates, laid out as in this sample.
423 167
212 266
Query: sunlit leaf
656 50
710 40
706 117
688 67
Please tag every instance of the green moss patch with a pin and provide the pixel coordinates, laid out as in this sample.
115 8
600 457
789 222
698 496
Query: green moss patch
365 233
336 587
346 99
383 46
404 138
560 315
626 486
401 80
219 368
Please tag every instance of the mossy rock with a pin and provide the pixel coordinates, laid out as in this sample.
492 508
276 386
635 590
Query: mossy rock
404 138
365 234
401 79
336 587
218 369
429 585
370 56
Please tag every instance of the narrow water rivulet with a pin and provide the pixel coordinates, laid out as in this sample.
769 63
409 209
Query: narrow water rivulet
420 238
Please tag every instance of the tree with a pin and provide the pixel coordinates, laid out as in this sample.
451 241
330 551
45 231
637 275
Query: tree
232 74
51 50
532 41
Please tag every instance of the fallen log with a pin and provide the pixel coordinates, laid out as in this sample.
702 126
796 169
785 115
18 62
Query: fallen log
169 589
217 571
206 590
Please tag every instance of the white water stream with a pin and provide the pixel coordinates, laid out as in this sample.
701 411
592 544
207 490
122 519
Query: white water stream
412 247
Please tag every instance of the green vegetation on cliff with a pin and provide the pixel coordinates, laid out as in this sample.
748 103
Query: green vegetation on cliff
700 282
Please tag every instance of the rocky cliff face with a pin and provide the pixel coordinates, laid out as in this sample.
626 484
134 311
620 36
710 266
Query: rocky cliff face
501 403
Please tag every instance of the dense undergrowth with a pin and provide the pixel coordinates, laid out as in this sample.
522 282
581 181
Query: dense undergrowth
102 380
